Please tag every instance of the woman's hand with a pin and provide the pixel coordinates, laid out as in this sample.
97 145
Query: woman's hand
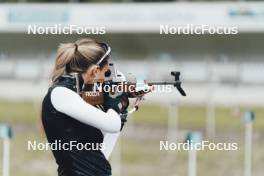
119 103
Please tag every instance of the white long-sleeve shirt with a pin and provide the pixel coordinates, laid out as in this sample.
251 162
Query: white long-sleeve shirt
70 103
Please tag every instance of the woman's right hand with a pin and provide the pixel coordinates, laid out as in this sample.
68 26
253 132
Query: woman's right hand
118 103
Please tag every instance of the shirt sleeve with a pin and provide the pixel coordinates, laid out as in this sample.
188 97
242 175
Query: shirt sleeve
109 142
70 103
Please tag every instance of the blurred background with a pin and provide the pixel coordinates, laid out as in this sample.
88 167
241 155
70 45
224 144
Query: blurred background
223 76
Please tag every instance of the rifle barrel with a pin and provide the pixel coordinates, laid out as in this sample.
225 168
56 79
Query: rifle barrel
163 83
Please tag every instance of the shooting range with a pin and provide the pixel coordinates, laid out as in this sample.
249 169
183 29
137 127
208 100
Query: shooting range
221 74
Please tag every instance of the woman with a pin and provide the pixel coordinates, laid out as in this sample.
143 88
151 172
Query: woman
68 119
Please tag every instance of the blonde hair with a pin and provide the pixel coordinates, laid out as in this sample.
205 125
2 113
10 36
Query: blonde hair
76 57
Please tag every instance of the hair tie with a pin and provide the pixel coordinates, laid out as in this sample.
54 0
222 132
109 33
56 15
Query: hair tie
76 47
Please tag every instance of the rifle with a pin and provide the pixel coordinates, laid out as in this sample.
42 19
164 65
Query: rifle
117 84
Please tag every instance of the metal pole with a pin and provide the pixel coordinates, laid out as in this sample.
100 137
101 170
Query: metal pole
248 149
248 118
6 156
192 163
193 138
6 134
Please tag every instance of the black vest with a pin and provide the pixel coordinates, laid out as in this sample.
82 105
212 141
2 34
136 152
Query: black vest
62 128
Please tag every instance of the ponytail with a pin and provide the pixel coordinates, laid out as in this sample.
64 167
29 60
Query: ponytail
76 57
65 54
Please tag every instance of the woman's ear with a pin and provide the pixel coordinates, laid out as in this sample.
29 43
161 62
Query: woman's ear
90 74
95 70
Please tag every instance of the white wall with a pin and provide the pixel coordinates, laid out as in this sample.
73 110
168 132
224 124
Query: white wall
134 17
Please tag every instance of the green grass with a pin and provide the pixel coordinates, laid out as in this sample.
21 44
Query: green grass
19 112
192 117
138 153
140 150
